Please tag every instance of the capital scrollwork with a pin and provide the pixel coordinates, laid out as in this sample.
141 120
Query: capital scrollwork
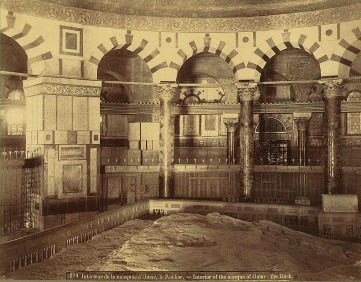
302 120
166 91
302 123
247 91
231 124
332 87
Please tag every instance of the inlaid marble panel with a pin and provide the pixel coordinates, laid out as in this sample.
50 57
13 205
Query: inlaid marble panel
51 172
93 169
71 180
50 112
64 112
191 126
94 113
80 113
40 112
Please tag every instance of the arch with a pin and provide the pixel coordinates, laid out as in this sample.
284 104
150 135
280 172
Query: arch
30 40
202 94
280 42
216 47
138 46
271 125
190 96
346 52
354 96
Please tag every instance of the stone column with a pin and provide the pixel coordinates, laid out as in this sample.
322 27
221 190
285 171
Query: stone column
302 121
231 125
63 128
333 167
166 141
246 92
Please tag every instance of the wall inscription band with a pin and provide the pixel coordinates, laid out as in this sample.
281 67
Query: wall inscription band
89 17
62 89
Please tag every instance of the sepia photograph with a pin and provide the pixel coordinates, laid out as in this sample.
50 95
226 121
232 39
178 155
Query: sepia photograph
180 140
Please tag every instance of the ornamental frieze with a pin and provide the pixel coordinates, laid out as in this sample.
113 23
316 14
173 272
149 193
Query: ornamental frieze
62 89
89 17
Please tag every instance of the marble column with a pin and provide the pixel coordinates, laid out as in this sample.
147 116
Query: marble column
231 125
302 121
166 141
246 93
333 166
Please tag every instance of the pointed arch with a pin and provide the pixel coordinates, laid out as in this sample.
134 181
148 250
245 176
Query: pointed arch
273 45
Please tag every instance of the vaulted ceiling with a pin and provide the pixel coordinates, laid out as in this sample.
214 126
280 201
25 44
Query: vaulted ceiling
204 8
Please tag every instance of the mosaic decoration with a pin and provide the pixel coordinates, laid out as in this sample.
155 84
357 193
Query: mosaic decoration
354 123
315 94
353 120
271 125
210 122
316 124
210 125
191 126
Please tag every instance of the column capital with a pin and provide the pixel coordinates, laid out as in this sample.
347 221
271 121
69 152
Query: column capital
302 122
301 116
331 87
166 91
247 91
231 124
